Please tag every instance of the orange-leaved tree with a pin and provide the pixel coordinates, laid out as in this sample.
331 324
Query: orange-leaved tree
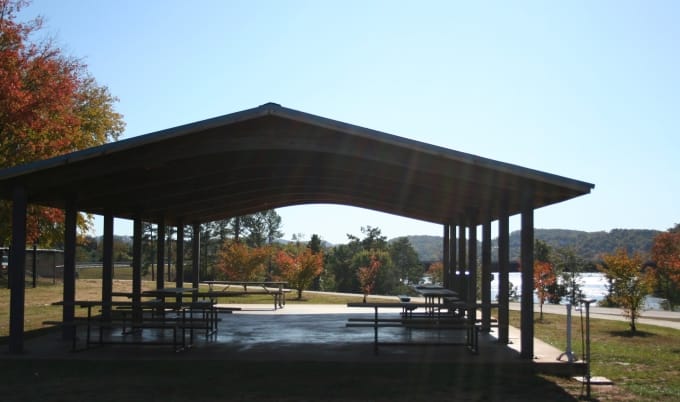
238 262
544 278
299 269
49 106
631 282
666 257
368 274
436 272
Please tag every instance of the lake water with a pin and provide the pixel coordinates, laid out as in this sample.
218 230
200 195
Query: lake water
593 286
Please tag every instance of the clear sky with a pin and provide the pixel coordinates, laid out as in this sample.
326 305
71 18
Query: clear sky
585 89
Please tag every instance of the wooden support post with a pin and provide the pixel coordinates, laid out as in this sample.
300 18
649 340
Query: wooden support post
472 276
446 274
527 261
453 261
195 255
461 259
137 268
487 277
34 267
68 309
160 255
503 276
17 271
107 267
472 263
179 260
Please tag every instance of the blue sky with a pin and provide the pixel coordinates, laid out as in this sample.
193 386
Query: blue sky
588 90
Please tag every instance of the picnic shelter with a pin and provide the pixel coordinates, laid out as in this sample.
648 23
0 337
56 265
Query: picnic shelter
269 157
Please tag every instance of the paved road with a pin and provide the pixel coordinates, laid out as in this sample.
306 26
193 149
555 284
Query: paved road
652 317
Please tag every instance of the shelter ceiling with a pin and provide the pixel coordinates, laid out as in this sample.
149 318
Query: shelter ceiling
270 157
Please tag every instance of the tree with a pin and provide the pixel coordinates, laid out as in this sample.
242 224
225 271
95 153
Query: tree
405 260
339 265
569 266
316 247
544 278
630 282
368 274
373 239
261 228
49 106
666 257
300 269
236 261
436 272
315 244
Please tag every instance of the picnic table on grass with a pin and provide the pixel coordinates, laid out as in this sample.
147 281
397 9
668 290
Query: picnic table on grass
217 289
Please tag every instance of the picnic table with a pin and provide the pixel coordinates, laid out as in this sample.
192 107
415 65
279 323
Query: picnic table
217 289
410 320
132 317
439 298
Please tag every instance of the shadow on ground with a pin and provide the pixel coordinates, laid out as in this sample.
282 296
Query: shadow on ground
217 380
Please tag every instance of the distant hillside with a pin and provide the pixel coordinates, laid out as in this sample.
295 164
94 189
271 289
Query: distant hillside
591 245
588 245
429 248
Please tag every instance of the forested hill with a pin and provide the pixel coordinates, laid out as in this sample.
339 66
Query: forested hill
588 245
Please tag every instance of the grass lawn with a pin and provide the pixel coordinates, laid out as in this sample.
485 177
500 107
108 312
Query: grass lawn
645 364
644 367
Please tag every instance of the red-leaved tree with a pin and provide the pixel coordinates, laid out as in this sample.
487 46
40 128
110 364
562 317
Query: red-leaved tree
49 106
238 262
436 272
544 278
300 269
368 275
666 257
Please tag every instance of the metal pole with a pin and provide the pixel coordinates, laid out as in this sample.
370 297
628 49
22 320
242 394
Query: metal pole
35 264
568 353
9 269
588 377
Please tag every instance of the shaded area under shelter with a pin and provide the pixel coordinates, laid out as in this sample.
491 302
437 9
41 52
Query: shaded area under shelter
269 157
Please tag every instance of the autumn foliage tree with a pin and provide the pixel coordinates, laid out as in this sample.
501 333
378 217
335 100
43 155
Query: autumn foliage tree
436 272
299 269
368 274
630 282
666 257
49 106
544 279
238 262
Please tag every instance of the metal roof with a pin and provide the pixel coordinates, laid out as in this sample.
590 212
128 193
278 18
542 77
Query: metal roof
271 156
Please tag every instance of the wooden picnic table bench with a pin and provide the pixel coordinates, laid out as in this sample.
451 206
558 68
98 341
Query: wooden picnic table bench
218 289
132 317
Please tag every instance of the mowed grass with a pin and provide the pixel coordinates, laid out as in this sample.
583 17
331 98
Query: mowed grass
646 364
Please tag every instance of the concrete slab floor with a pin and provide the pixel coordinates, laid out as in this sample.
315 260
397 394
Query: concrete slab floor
307 333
